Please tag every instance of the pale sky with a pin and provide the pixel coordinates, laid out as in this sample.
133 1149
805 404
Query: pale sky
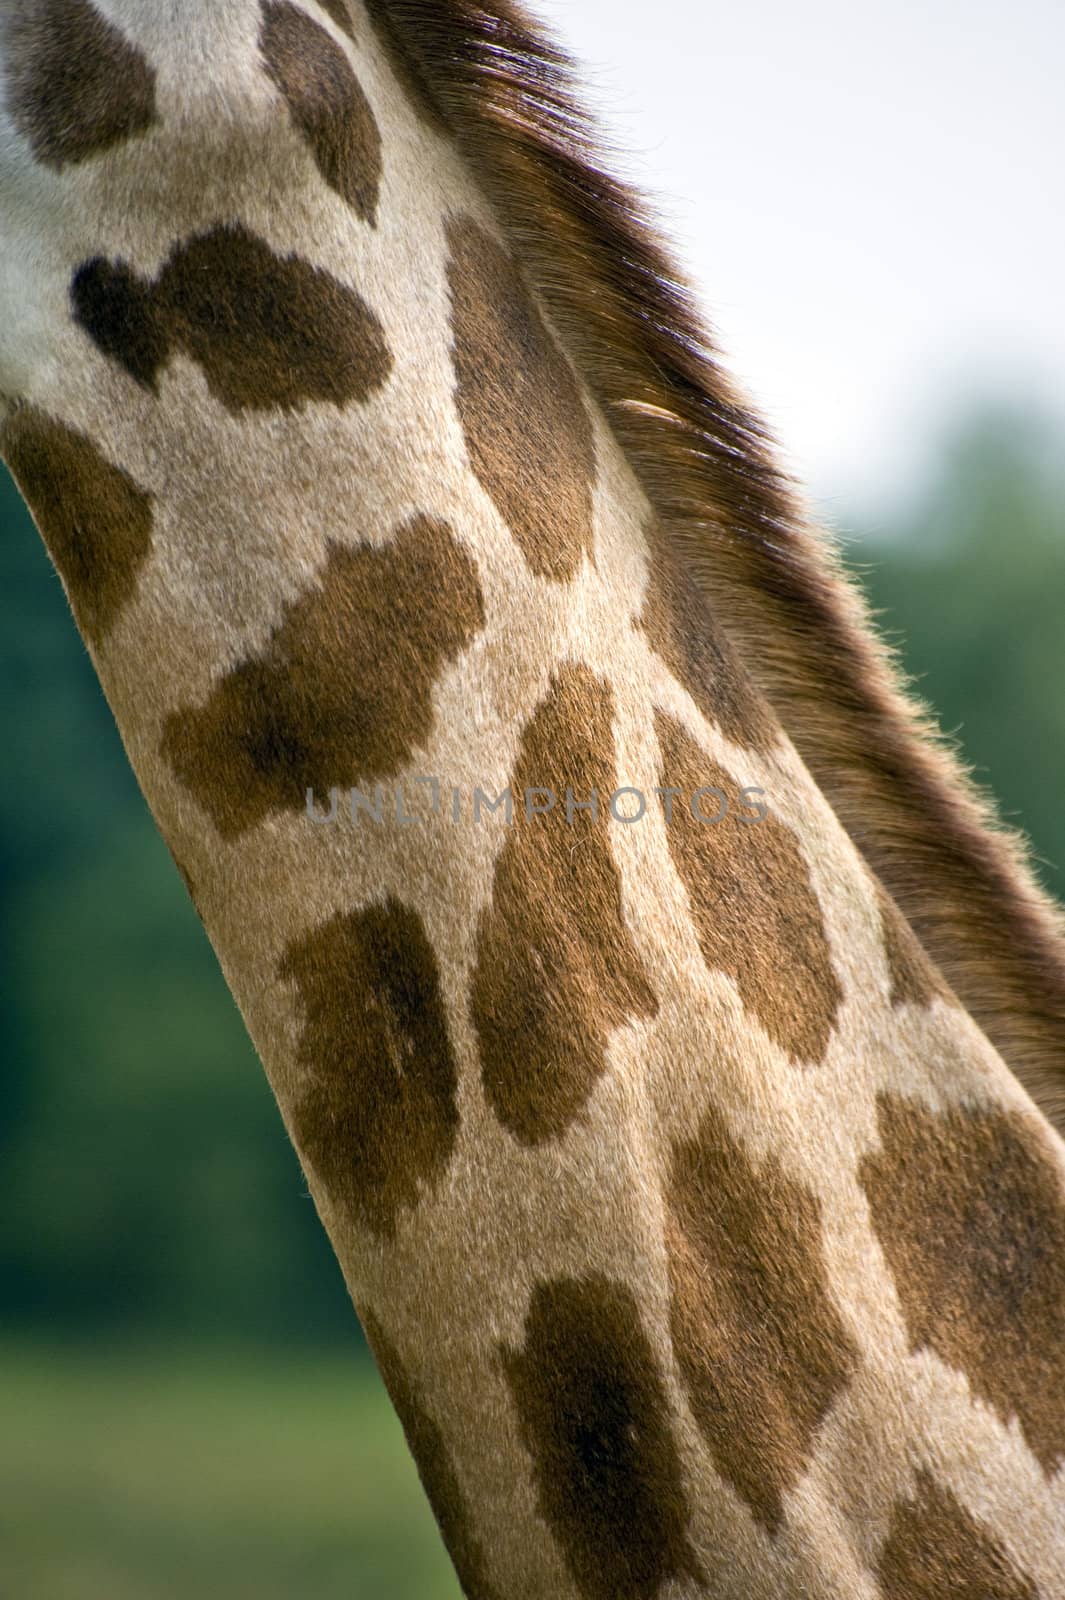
869 195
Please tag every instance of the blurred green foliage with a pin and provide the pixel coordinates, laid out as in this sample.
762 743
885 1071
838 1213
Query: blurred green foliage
969 579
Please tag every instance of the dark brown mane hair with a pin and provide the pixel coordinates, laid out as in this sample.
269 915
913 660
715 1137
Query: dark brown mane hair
775 583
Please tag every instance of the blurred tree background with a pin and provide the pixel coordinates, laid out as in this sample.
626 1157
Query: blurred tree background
148 1196
968 579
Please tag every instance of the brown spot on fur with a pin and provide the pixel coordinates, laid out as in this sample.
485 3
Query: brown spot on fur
267 330
427 1445
527 430
123 315
326 102
338 10
936 1551
342 693
375 1116
595 1419
981 1272
75 85
682 630
96 522
557 969
755 913
758 1339
914 980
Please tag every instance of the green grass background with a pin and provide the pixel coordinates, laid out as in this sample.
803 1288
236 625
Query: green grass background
174 1472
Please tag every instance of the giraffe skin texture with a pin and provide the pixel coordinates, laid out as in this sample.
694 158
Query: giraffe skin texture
704 1241
591 247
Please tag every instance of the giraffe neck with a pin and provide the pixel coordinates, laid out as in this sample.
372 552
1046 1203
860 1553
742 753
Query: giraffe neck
623 1121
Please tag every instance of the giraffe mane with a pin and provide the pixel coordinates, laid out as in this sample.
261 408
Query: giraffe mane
775 582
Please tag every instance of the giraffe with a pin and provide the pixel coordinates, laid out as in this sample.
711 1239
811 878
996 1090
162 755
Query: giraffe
684 1125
